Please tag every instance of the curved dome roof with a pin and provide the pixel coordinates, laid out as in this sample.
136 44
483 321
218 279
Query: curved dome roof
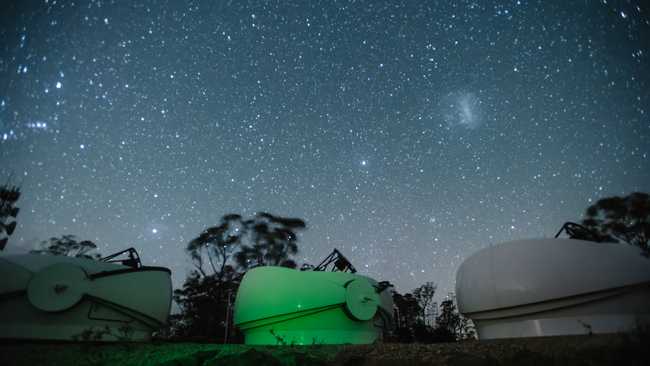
17 269
535 270
59 297
287 291
277 305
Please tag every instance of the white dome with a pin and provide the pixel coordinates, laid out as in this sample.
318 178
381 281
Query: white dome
63 298
533 271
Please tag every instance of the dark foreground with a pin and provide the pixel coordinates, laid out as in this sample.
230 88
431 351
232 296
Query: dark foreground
579 350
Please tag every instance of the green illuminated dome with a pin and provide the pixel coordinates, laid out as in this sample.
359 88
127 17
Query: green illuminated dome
278 305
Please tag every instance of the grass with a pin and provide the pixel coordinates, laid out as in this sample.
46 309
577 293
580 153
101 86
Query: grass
569 350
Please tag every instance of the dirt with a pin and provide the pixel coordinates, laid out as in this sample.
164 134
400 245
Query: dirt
576 350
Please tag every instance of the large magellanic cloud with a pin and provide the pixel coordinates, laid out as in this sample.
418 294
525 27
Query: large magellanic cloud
461 110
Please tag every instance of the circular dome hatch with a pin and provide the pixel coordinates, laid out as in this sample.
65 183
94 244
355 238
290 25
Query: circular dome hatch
57 287
361 299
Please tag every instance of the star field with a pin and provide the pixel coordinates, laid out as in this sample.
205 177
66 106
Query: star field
406 134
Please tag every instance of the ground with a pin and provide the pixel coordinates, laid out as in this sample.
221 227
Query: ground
578 350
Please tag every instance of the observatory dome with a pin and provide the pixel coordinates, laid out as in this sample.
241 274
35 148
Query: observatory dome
282 306
52 297
541 287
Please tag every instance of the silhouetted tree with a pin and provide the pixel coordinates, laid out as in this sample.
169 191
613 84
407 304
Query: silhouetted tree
205 304
406 314
450 324
621 218
410 325
273 241
424 296
9 195
216 244
448 321
68 245
207 295
407 309
220 255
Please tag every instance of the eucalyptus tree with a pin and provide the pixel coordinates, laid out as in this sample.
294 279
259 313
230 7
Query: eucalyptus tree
9 195
424 296
215 245
68 245
273 240
220 255
625 219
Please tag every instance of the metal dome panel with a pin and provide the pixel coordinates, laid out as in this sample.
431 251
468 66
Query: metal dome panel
535 270
57 287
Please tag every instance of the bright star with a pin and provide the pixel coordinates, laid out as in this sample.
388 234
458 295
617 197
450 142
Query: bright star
155 231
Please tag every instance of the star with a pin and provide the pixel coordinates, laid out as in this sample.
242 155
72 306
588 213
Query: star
470 113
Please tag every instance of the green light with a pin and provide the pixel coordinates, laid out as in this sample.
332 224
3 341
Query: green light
281 306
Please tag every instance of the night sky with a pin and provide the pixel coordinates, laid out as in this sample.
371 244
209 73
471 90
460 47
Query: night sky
406 134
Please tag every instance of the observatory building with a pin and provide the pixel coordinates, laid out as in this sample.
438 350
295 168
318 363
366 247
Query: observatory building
559 286
51 297
283 306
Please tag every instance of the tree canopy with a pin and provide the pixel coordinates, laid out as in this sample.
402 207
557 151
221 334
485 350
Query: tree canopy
216 244
68 245
9 195
624 219
220 255
410 319
273 241
424 296
235 243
